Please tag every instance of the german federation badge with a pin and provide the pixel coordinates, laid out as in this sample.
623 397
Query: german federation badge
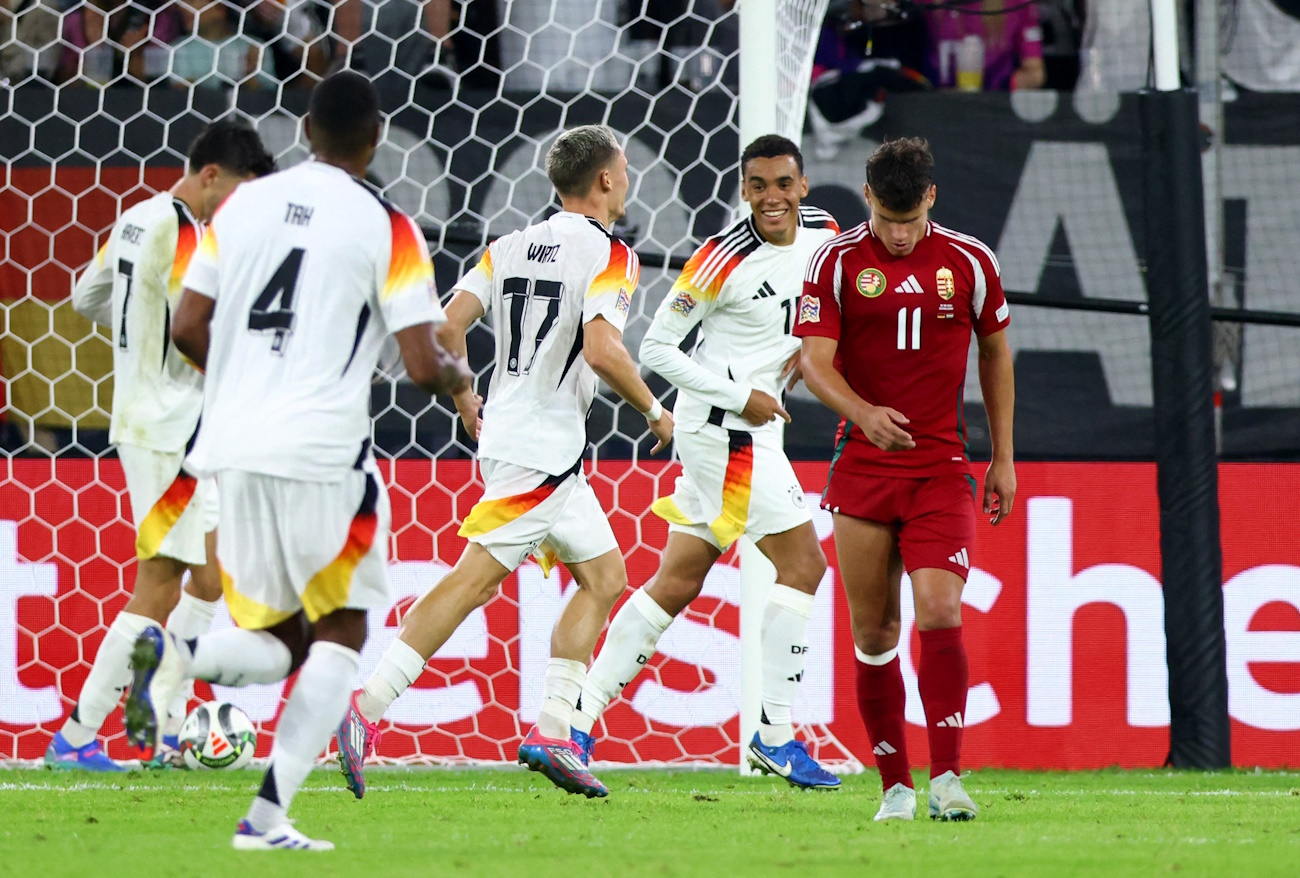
943 280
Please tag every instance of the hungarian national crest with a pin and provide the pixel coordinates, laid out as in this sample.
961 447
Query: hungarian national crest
943 280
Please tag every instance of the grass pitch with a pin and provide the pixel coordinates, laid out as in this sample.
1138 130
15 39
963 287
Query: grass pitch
512 822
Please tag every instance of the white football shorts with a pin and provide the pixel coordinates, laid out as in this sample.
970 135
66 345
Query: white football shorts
173 511
286 545
733 483
526 512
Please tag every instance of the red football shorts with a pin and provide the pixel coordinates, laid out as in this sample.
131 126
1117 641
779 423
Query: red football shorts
933 518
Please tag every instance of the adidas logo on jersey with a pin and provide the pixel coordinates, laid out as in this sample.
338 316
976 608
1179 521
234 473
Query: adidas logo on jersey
883 749
765 291
952 722
960 558
911 285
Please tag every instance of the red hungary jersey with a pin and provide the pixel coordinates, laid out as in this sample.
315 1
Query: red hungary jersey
904 329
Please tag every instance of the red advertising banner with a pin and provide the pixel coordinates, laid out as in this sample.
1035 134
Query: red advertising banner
1063 621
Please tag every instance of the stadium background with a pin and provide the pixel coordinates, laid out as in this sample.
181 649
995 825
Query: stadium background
1066 634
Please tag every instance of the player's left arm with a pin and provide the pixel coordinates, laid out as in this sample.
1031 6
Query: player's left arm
604 314
408 304
998 384
463 310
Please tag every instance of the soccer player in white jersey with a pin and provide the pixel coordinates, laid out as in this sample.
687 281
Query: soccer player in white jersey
741 288
560 292
287 301
131 286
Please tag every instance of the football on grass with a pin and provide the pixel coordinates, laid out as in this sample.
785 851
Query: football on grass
217 735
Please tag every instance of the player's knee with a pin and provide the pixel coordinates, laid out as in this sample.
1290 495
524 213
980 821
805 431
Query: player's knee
610 586
344 627
876 639
938 611
803 572
205 583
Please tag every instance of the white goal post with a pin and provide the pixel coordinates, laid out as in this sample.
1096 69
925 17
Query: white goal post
777 41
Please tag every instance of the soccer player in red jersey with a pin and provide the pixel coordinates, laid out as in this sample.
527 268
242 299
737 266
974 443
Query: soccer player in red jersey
886 317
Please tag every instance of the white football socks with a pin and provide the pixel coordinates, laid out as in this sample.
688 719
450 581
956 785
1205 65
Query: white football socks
398 669
192 618
629 645
784 647
564 679
239 657
310 717
108 678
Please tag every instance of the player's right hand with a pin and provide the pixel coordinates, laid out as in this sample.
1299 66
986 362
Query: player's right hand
881 426
762 408
662 430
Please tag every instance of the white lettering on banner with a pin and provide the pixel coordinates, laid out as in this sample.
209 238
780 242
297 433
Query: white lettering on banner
981 593
19 704
1055 593
1243 596
428 706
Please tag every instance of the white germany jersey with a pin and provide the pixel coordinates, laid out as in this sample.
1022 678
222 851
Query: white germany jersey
131 286
542 285
310 271
742 291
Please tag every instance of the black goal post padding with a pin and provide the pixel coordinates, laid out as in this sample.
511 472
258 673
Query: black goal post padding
1186 462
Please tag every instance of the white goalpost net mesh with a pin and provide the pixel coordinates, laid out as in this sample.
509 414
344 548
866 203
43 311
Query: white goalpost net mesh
102 103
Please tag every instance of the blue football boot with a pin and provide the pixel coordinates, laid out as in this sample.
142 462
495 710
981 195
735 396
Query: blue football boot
792 762
63 756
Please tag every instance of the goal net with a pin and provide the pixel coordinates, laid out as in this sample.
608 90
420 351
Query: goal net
101 109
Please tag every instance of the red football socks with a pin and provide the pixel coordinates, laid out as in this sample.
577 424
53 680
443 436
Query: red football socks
943 676
882 702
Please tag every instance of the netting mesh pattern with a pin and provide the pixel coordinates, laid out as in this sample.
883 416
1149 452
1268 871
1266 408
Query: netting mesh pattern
102 108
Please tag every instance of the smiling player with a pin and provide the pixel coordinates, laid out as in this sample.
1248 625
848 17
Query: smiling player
740 288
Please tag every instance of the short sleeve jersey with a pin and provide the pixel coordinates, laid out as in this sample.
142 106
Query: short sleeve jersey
310 271
904 330
742 291
133 284
541 286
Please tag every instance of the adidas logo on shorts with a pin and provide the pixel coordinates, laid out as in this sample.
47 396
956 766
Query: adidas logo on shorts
960 558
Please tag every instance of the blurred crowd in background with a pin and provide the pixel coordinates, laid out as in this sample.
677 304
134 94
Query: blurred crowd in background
867 47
